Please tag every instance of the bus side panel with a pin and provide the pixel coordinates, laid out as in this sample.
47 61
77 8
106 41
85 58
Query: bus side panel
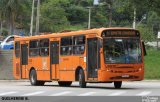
82 62
42 67
68 67
29 66
79 61
67 75
16 60
46 68
76 62
34 62
67 72
101 72
16 68
27 72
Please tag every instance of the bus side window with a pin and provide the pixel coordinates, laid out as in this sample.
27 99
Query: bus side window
44 47
66 46
78 44
17 49
34 48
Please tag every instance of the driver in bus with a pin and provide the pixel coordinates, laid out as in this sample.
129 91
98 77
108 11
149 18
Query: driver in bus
133 52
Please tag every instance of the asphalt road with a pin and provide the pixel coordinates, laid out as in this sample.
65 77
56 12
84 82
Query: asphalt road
23 88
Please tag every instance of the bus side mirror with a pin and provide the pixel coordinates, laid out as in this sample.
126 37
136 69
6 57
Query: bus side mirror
144 49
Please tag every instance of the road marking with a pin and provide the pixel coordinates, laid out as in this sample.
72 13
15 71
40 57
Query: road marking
33 93
61 93
117 93
143 93
87 94
7 93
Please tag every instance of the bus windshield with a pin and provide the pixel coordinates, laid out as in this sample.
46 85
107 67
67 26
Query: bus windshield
122 50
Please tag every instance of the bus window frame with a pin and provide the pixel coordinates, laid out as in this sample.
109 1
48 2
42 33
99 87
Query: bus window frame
79 44
44 47
71 45
17 49
34 48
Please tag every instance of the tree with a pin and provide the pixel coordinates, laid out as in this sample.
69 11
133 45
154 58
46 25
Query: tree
77 14
53 16
99 18
9 10
146 33
109 9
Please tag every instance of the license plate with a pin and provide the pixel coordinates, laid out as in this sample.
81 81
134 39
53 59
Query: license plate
125 76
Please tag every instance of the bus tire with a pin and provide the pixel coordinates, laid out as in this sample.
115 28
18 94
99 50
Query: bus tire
33 79
82 82
64 83
117 84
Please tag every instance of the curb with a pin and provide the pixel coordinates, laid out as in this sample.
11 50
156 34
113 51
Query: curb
151 80
14 80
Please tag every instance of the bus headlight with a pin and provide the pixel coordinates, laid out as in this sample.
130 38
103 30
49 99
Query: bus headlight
140 69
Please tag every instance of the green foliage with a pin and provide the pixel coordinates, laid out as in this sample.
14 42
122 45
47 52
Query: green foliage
77 27
4 32
152 64
10 10
77 14
58 15
146 33
98 18
53 16
153 18
23 16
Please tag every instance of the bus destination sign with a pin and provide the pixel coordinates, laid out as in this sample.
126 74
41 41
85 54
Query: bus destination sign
120 33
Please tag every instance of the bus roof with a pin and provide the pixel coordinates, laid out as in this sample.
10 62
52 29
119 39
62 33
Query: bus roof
97 31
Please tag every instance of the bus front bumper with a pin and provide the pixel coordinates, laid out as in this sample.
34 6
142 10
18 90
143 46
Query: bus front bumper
111 76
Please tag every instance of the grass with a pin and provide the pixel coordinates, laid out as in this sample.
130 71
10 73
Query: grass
152 64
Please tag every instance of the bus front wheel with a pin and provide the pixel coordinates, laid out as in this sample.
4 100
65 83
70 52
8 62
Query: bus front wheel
117 84
82 82
33 79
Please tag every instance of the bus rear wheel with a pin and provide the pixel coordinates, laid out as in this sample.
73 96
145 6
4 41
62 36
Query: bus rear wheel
33 79
82 82
117 84
64 83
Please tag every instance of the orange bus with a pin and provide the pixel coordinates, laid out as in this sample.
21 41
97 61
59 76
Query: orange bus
102 55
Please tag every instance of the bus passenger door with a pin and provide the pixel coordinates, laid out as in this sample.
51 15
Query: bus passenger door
54 57
92 58
24 59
